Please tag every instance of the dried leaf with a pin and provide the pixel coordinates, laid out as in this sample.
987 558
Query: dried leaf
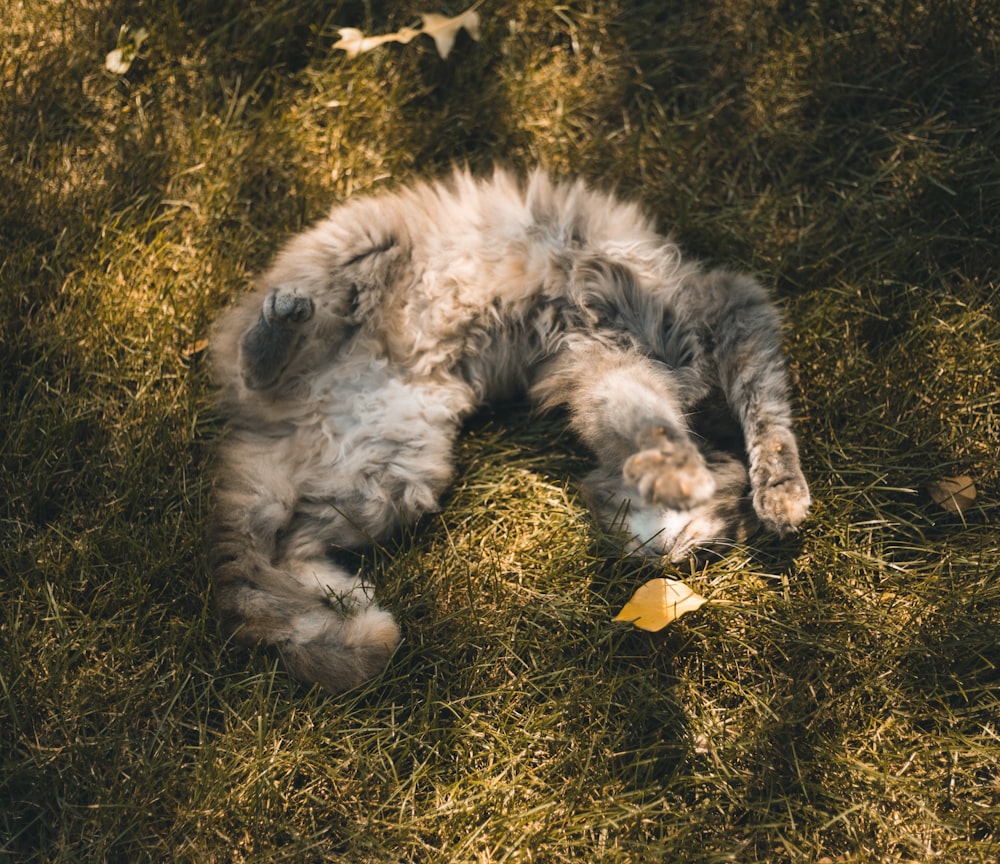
954 494
119 60
354 42
116 62
658 602
444 30
440 28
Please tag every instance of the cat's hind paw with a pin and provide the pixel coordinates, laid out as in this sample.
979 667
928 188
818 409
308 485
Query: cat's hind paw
283 306
671 475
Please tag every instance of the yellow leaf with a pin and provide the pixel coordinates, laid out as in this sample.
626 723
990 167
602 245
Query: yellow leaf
659 602
954 494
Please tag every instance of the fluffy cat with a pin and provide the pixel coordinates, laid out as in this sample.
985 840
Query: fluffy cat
346 375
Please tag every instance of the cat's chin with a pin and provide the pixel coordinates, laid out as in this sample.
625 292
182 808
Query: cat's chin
654 532
679 535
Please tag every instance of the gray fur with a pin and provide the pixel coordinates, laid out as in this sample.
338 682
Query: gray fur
346 375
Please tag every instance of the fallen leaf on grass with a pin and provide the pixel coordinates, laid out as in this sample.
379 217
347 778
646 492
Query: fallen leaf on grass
130 39
354 42
954 494
442 29
658 602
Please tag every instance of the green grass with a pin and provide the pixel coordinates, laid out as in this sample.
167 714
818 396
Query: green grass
843 705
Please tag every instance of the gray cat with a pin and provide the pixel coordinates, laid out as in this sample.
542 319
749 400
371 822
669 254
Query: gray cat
346 375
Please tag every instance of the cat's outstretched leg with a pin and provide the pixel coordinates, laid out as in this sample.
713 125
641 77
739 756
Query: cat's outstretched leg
653 484
754 379
626 410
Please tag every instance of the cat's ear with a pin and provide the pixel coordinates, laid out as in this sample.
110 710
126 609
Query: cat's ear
374 262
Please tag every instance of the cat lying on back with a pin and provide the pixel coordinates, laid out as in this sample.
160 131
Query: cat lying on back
346 375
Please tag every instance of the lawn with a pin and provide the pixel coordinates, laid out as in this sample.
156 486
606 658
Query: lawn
839 702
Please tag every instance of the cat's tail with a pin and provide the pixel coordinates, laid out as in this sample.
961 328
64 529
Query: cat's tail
321 618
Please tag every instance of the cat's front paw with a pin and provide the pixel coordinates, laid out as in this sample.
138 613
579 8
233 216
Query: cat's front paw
783 505
673 475
283 306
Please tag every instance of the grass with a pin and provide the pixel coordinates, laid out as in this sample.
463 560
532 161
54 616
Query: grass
841 706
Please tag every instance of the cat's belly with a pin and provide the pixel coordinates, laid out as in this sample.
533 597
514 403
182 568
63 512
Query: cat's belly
376 446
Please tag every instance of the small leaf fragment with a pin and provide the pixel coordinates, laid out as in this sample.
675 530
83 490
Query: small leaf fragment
119 60
354 41
658 602
954 494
